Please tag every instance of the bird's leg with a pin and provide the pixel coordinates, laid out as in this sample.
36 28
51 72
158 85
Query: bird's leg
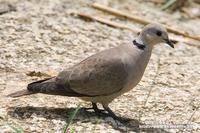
95 108
112 114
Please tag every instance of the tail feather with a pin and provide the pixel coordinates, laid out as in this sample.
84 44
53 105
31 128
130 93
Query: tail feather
41 85
20 93
32 88
47 86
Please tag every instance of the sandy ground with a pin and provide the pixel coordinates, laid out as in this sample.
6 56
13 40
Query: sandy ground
44 36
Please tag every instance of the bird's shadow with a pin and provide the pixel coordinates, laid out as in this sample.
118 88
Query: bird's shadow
83 116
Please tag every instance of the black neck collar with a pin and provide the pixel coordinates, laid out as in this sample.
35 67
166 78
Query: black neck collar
140 46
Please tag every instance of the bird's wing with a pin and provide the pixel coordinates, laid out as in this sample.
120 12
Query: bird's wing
95 76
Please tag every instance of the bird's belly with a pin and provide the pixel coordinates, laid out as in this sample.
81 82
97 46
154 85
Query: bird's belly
101 99
106 99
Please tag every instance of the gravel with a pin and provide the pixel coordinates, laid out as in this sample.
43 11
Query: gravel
45 36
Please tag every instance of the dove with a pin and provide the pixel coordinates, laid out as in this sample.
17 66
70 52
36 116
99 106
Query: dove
106 75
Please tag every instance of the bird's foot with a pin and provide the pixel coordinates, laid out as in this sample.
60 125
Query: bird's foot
107 112
115 117
121 119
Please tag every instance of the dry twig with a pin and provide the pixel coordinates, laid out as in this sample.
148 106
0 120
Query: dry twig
142 20
107 22
136 30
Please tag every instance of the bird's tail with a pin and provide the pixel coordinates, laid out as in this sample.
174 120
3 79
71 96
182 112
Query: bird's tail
20 93
41 86
47 86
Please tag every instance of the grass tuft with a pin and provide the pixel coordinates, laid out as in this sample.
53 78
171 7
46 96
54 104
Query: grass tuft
17 129
71 118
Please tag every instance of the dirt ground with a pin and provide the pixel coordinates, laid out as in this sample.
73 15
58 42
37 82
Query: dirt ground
45 36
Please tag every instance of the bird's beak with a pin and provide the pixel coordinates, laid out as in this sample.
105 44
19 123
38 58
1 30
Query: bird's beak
170 43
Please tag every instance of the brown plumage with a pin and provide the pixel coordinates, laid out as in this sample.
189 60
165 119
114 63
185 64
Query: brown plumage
106 75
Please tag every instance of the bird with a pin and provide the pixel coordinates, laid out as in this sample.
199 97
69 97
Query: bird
106 75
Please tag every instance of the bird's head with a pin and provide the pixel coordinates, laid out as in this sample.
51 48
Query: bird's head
155 33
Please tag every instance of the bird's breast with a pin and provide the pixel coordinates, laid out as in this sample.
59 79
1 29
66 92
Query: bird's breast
135 68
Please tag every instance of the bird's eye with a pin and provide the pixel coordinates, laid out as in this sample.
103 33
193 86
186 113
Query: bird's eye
158 33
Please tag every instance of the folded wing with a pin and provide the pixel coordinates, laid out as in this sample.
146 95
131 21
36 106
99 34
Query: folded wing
94 77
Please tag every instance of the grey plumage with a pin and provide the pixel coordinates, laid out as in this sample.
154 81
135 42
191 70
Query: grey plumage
106 75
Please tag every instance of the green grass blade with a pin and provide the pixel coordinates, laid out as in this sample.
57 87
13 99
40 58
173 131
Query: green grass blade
72 116
167 4
17 129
